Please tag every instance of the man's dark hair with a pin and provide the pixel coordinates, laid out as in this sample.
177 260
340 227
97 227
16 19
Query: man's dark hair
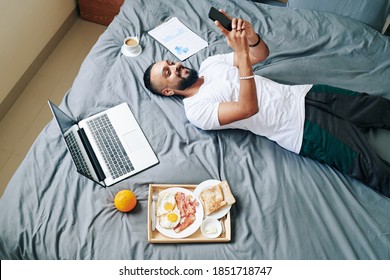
148 82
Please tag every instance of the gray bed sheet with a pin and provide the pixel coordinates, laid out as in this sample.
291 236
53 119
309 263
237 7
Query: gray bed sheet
288 207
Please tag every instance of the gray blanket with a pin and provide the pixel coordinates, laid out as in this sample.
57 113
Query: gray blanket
288 207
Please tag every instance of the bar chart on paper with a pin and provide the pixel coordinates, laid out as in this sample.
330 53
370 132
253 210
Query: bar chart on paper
178 39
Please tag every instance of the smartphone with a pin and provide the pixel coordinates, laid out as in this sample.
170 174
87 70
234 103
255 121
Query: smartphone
226 22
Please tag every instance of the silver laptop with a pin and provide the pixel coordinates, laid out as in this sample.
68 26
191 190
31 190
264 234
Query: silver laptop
107 147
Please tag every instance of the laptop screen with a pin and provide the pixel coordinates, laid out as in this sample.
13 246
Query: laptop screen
63 120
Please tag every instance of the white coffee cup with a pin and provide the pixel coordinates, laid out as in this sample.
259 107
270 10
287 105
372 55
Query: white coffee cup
131 46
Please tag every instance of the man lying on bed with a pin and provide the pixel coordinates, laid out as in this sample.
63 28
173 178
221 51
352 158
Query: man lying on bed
317 121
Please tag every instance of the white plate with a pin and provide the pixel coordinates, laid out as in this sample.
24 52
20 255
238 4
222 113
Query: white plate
129 54
192 228
206 184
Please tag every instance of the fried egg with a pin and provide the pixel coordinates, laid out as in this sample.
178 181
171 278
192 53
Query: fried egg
166 203
171 219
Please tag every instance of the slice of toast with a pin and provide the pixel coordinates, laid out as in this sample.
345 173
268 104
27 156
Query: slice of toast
227 194
213 199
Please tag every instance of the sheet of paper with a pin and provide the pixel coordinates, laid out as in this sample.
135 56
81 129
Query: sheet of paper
178 39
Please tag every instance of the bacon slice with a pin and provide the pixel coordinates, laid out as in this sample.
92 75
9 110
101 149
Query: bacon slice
191 203
189 220
187 207
181 203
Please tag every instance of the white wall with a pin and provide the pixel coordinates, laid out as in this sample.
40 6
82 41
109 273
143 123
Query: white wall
26 26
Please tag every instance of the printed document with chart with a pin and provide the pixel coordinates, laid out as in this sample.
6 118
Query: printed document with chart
178 39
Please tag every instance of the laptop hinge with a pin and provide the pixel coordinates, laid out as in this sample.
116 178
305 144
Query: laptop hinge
91 154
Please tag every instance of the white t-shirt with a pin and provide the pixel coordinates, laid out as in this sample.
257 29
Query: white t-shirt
281 107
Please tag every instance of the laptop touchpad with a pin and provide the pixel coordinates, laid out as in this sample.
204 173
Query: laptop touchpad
135 141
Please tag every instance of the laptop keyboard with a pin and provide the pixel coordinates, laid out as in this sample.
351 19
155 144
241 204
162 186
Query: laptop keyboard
78 158
110 146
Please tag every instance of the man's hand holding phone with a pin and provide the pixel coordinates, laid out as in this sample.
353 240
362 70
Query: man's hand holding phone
226 23
240 36
221 18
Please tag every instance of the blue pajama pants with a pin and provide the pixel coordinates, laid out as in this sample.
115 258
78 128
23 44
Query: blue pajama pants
333 133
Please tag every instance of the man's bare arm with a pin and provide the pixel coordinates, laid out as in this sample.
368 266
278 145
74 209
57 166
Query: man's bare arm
247 104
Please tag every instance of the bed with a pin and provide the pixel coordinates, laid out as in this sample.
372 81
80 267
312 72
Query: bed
287 206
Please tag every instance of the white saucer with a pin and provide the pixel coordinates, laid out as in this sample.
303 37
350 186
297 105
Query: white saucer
211 223
130 54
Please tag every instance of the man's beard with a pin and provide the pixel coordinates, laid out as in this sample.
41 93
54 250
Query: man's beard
190 80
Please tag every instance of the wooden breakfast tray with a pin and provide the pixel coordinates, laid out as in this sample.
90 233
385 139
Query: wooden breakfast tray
197 237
